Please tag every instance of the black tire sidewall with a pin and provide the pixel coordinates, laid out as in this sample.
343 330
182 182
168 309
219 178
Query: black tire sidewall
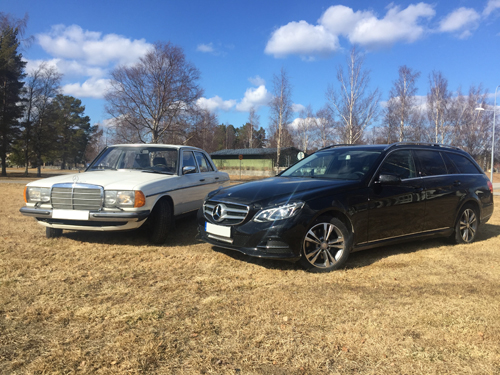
159 222
458 235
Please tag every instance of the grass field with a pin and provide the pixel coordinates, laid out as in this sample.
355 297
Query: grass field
109 303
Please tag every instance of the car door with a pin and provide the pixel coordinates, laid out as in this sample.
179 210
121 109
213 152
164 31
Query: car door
397 209
209 177
192 189
442 190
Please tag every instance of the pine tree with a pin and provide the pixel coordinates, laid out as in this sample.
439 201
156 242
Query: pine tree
11 89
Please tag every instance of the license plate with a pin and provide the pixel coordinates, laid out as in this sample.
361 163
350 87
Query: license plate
70 214
218 230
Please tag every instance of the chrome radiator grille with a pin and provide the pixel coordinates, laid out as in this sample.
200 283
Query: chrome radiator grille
225 213
77 197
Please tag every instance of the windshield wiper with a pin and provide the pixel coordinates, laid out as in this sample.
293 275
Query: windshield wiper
153 171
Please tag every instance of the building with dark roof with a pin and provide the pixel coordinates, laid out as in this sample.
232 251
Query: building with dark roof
254 158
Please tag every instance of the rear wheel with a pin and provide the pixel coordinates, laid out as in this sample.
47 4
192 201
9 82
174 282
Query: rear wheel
159 222
467 225
326 245
53 232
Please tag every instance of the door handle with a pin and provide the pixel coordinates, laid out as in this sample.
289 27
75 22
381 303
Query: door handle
216 178
202 180
457 183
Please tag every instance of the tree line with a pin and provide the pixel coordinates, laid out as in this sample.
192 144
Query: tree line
38 124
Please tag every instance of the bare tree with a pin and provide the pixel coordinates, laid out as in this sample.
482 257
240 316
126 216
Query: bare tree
470 129
401 106
253 120
42 85
438 100
325 128
203 129
307 129
153 96
353 105
281 109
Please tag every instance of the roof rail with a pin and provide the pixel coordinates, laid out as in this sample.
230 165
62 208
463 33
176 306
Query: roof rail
422 144
338 145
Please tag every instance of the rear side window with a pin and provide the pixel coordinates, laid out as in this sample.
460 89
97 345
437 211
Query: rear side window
431 163
464 165
452 169
203 162
399 163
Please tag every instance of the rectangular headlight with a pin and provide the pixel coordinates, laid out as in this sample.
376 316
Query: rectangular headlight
116 198
37 195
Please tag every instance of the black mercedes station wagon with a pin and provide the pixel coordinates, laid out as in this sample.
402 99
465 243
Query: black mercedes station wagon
343 199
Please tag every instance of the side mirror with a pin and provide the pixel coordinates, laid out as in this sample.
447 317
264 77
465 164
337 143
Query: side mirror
389 179
188 170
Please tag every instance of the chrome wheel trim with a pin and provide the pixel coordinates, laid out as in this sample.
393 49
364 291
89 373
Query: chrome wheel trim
323 245
468 225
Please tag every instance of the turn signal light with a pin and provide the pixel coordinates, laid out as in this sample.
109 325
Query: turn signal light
140 199
490 185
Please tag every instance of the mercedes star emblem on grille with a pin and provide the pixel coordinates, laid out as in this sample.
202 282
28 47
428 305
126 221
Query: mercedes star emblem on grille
219 212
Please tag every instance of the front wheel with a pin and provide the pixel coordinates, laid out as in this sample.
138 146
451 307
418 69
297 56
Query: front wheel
326 245
159 222
466 226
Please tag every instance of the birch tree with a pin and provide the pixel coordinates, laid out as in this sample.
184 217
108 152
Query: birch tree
401 107
281 109
438 100
352 104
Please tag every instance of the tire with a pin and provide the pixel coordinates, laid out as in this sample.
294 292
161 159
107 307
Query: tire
326 245
159 222
467 225
53 232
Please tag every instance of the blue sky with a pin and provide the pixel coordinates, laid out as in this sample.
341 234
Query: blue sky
239 45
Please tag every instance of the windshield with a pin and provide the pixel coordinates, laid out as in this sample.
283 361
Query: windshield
336 164
147 158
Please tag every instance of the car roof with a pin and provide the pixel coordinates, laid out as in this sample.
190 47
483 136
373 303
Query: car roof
398 145
163 145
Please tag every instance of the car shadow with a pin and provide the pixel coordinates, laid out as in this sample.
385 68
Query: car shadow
183 233
365 258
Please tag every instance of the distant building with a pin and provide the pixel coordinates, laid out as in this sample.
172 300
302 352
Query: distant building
254 158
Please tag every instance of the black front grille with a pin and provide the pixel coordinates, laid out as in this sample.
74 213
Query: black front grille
77 197
226 213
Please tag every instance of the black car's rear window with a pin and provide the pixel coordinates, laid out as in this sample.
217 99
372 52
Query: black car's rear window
463 164
431 163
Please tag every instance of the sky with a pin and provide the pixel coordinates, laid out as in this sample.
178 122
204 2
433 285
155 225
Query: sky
239 45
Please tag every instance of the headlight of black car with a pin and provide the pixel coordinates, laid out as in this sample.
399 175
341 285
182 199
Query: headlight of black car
281 212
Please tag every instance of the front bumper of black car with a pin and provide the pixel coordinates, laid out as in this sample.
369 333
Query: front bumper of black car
274 240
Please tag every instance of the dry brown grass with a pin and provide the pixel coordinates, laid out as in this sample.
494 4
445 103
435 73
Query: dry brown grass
106 303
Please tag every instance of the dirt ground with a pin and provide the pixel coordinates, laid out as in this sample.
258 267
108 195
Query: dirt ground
110 303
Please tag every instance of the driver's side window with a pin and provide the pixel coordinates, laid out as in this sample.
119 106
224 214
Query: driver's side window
399 163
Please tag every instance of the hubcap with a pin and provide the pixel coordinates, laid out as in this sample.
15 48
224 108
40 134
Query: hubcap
323 245
468 225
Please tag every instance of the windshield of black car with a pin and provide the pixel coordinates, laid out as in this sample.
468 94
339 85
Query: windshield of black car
147 158
336 164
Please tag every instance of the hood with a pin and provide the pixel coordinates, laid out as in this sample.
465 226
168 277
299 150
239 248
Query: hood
276 189
122 179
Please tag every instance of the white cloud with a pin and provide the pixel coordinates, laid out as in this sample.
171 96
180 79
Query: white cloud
216 103
90 47
206 48
257 81
302 39
491 7
298 107
92 88
361 27
254 97
460 21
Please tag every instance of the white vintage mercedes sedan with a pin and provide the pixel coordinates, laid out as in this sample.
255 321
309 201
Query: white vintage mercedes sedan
125 187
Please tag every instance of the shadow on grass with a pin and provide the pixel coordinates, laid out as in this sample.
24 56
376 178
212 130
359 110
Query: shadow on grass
182 234
366 257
